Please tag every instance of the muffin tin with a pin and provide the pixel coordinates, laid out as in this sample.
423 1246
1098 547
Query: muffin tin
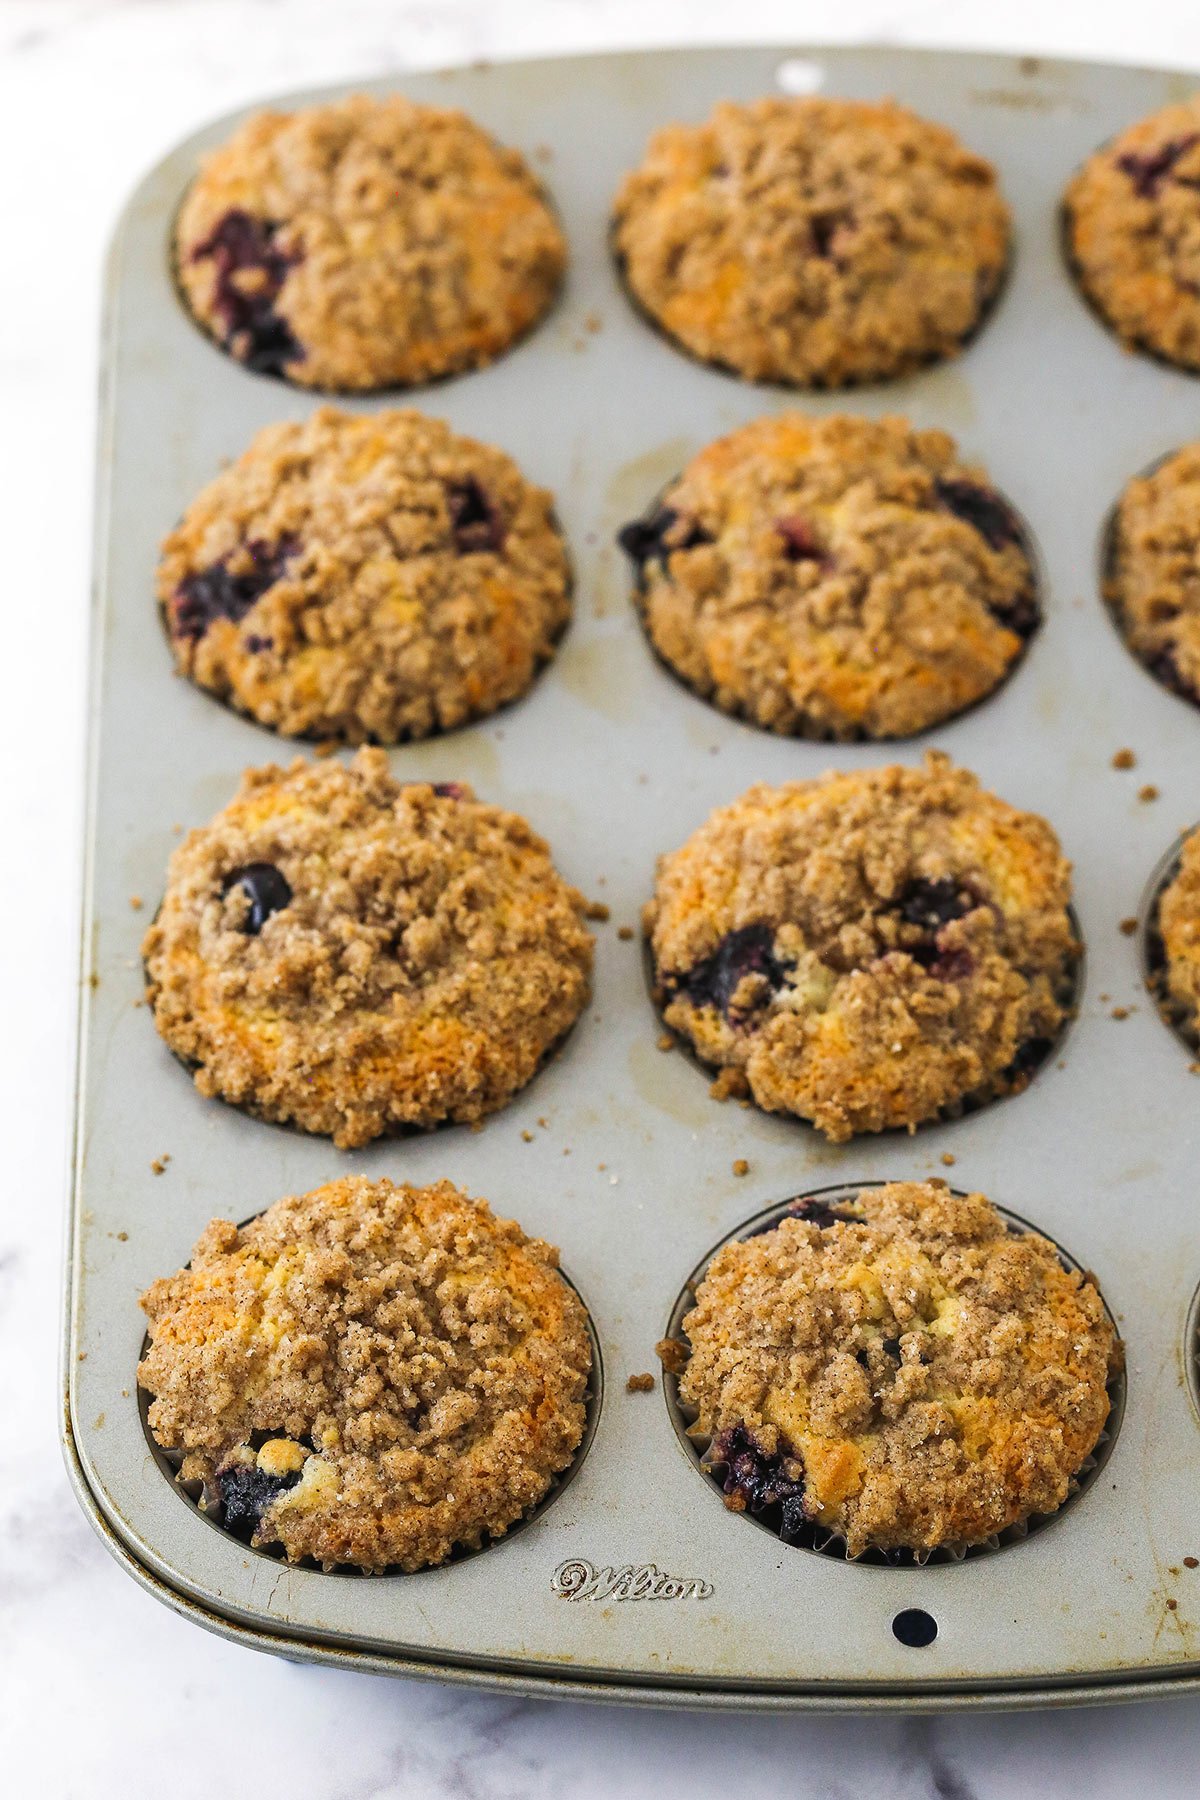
633 1581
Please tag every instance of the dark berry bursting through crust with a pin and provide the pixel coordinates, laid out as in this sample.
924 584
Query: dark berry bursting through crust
1148 172
266 889
246 1492
474 521
756 1481
714 981
982 509
254 331
213 593
644 540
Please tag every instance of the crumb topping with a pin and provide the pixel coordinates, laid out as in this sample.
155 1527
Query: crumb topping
369 1374
899 1368
362 578
867 950
426 958
835 577
366 243
812 241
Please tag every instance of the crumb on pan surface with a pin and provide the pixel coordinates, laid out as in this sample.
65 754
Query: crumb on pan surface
366 243
899 1368
369 1374
835 577
816 242
365 578
353 954
867 950
1132 234
1152 582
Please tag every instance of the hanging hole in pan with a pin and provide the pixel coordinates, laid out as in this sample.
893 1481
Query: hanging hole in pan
914 1627
1174 1012
207 1503
800 75
819 1539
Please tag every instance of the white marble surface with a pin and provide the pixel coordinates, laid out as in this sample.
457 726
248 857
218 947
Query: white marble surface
102 1692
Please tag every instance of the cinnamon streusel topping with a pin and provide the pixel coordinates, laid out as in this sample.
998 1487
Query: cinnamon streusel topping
813 241
368 1374
835 577
366 243
867 950
370 577
899 1368
352 954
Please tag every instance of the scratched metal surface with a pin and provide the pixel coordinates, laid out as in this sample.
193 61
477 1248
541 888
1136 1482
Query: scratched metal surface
614 762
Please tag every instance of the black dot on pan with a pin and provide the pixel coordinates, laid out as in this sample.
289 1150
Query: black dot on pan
914 1627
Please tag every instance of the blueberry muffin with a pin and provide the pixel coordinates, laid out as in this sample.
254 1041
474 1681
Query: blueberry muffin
1133 233
366 243
835 577
867 950
1175 943
365 577
1153 575
899 1369
815 242
368 1375
351 954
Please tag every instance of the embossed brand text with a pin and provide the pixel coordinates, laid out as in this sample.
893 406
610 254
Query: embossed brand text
580 1580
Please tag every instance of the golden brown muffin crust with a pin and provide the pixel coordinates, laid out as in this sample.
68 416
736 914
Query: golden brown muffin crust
867 950
416 1366
835 578
1153 577
365 578
926 1377
1177 927
1133 233
366 243
418 963
812 241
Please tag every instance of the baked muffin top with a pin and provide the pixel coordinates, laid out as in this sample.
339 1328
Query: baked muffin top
1153 577
365 577
368 1374
352 954
835 577
812 241
899 1368
867 950
366 243
1176 928
1133 232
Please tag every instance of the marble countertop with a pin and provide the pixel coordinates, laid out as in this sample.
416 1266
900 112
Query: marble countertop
97 1682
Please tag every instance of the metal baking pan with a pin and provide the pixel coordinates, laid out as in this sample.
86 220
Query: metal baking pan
635 1582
